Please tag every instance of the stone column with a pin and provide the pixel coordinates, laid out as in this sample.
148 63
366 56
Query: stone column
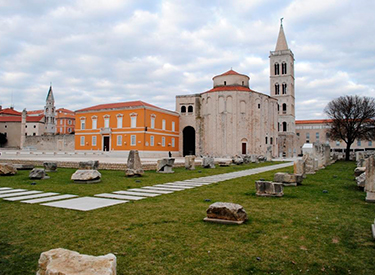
370 179
23 127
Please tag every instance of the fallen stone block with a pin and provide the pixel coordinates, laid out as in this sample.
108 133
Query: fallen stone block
7 169
38 174
89 165
24 166
359 170
208 162
61 261
269 189
50 166
86 176
190 162
288 179
225 212
361 180
224 163
134 165
237 160
165 165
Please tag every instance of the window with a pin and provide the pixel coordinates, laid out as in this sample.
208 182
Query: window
284 127
61 129
173 142
243 83
284 108
94 123
82 141
183 109
173 126
277 89
106 122
163 124
133 121
152 122
284 88
34 126
69 122
258 105
266 140
277 69
337 143
83 124
190 109
133 140
283 68
225 83
34 134
307 137
94 141
119 121
163 141
69 130
152 140
119 140
317 136
271 140
370 143
359 142
297 134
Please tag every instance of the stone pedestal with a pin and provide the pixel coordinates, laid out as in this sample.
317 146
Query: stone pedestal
208 162
190 162
224 212
269 189
134 165
299 167
370 179
165 165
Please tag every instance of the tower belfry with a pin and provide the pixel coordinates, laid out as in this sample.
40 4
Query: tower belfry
49 114
282 88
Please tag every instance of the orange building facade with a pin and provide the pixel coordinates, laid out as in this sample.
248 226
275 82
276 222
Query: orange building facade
65 121
126 126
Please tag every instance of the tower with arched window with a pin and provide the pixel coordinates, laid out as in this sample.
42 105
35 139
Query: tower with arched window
50 114
282 88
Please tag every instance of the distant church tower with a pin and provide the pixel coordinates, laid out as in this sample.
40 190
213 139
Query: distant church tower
282 88
49 114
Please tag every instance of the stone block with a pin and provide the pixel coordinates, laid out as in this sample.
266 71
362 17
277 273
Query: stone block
86 176
134 165
23 166
299 167
370 179
269 189
61 261
208 162
165 165
288 179
361 180
359 170
38 174
7 169
373 230
224 163
238 160
190 162
220 211
50 166
89 165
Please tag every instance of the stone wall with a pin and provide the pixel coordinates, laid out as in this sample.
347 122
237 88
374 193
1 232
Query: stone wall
46 143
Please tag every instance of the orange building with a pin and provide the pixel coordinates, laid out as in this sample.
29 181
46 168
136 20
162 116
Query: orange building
125 126
65 121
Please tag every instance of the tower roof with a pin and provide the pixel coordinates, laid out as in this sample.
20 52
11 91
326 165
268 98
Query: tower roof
230 72
50 94
281 44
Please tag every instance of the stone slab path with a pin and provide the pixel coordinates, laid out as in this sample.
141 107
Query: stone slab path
69 201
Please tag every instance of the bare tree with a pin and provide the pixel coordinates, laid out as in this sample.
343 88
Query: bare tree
353 117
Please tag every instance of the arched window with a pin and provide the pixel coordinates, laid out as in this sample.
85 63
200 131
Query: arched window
277 69
277 89
190 109
278 127
284 108
183 109
284 126
284 88
283 68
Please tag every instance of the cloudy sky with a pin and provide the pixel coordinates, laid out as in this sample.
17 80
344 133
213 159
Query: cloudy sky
107 51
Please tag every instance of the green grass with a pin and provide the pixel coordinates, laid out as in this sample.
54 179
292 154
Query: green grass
304 232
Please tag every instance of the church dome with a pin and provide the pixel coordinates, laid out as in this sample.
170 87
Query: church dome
231 78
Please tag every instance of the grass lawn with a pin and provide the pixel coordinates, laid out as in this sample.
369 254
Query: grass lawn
306 231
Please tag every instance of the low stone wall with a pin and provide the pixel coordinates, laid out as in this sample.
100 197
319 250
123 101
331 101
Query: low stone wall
73 164
56 143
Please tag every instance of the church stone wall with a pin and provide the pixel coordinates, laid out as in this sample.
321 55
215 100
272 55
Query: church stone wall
53 143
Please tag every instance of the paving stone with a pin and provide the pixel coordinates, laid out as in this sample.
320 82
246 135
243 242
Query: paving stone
150 190
11 191
84 203
30 196
142 194
5 188
19 194
54 198
167 188
121 197
185 184
179 187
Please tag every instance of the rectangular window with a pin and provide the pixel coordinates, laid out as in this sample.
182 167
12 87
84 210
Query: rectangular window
163 124
359 142
133 121
370 143
152 140
119 140
163 141
317 135
337 143
271 140
307 137
69 130
119 122
82 141
133 140
173 142
106 122
83 124
173 126
266 140
61 130
94 141
94 123
69 122
152 122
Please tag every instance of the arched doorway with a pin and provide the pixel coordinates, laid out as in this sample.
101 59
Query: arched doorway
188 141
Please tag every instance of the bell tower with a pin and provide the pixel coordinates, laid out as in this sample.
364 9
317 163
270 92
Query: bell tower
49 114
282 88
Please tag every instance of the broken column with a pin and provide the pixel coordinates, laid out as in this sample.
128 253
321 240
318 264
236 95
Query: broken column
288 179
165 165
208 162
225 212
269 189
134 165
370 179
190 162
299 167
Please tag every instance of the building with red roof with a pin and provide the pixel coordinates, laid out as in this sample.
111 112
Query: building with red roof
65 121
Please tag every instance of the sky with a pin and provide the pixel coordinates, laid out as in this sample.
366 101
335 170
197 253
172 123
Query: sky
106 51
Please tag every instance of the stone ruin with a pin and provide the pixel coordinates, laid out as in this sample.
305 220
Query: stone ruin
7 169
165 165
50 166
238 160
134 165
87 172
316 156
67 262
370 179
269 189
299 168
38 174
269 153
190 162
225 212
288 179
208 162
224 163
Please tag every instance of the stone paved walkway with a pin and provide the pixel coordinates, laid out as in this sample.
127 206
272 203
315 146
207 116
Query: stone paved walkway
123 196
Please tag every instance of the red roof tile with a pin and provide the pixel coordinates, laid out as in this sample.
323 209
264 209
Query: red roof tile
65 111
35 112
10 111
229 88
230 72
316 121
19 118
119 105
